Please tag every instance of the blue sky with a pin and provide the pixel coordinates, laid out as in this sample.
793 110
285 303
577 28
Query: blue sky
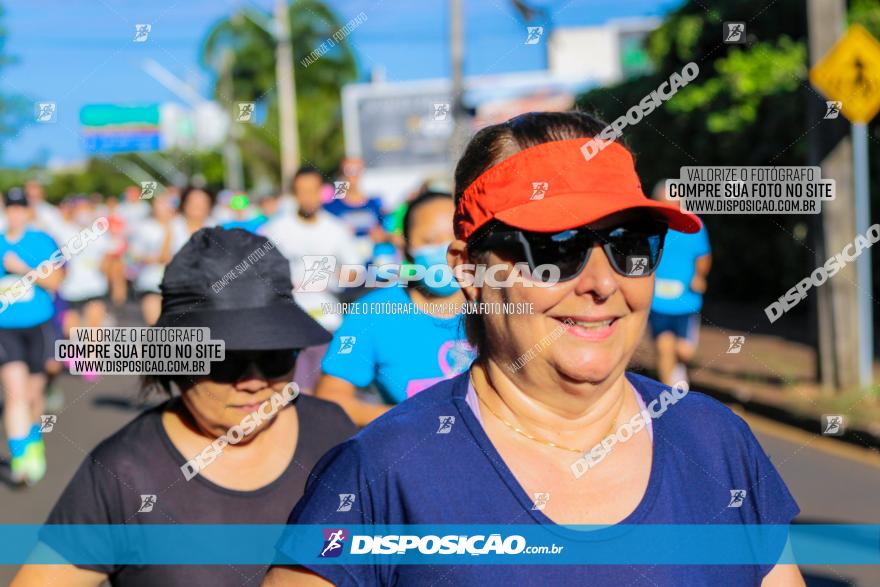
77 52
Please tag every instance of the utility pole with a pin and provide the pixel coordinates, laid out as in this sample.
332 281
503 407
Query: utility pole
838 299
233 173
862 180
232 166
456 45
284 79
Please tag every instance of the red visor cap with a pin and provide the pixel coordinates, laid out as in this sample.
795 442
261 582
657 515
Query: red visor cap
554 186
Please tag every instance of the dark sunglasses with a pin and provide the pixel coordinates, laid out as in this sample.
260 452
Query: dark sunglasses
272 364
632 248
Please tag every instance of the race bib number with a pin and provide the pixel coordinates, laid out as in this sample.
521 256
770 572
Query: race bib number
668 289
15 289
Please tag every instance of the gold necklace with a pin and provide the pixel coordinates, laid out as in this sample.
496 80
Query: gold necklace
539 440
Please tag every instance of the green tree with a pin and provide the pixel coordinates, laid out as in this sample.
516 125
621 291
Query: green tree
245 51
96 175
748 106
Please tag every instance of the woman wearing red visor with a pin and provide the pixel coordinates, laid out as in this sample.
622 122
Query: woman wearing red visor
548 427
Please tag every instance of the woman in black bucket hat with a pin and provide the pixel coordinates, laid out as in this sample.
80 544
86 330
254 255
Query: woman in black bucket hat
238 285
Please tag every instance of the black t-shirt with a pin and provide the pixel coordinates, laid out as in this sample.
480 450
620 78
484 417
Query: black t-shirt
140 459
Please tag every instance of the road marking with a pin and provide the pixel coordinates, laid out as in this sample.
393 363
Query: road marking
865 456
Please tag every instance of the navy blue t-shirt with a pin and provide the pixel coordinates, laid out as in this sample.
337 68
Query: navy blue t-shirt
361 218
402 472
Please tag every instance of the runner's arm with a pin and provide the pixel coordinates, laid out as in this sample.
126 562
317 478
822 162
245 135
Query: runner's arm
14 264
52 281
344 393
704 264
701 270
784 576
165 252
284 576
67 575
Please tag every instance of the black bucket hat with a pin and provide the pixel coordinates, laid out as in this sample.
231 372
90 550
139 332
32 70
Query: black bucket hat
237 284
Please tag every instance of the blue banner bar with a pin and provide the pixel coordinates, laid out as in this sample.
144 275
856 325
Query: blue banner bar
182 544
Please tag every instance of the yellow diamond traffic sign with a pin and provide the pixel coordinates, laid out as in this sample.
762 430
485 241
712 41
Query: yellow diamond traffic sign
850 73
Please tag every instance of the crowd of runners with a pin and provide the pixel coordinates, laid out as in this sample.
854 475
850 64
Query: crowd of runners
494 407
142 231
117 247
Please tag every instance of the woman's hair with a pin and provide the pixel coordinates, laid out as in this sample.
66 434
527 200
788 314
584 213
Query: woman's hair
416 203
150 384
163 385
187 191
492 145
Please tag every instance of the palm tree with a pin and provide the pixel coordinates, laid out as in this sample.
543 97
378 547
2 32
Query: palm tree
240 51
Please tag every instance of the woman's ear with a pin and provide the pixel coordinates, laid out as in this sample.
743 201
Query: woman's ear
464 268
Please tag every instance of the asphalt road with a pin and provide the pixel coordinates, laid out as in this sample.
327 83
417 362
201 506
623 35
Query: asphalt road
831 483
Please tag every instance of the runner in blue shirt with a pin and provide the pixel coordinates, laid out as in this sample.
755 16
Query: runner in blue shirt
27 334
679 285
361 213
244 217
401 348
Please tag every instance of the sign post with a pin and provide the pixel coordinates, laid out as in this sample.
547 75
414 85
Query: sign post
850 75
862 180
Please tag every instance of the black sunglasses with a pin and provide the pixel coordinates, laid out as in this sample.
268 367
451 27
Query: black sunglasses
272 364
633 248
